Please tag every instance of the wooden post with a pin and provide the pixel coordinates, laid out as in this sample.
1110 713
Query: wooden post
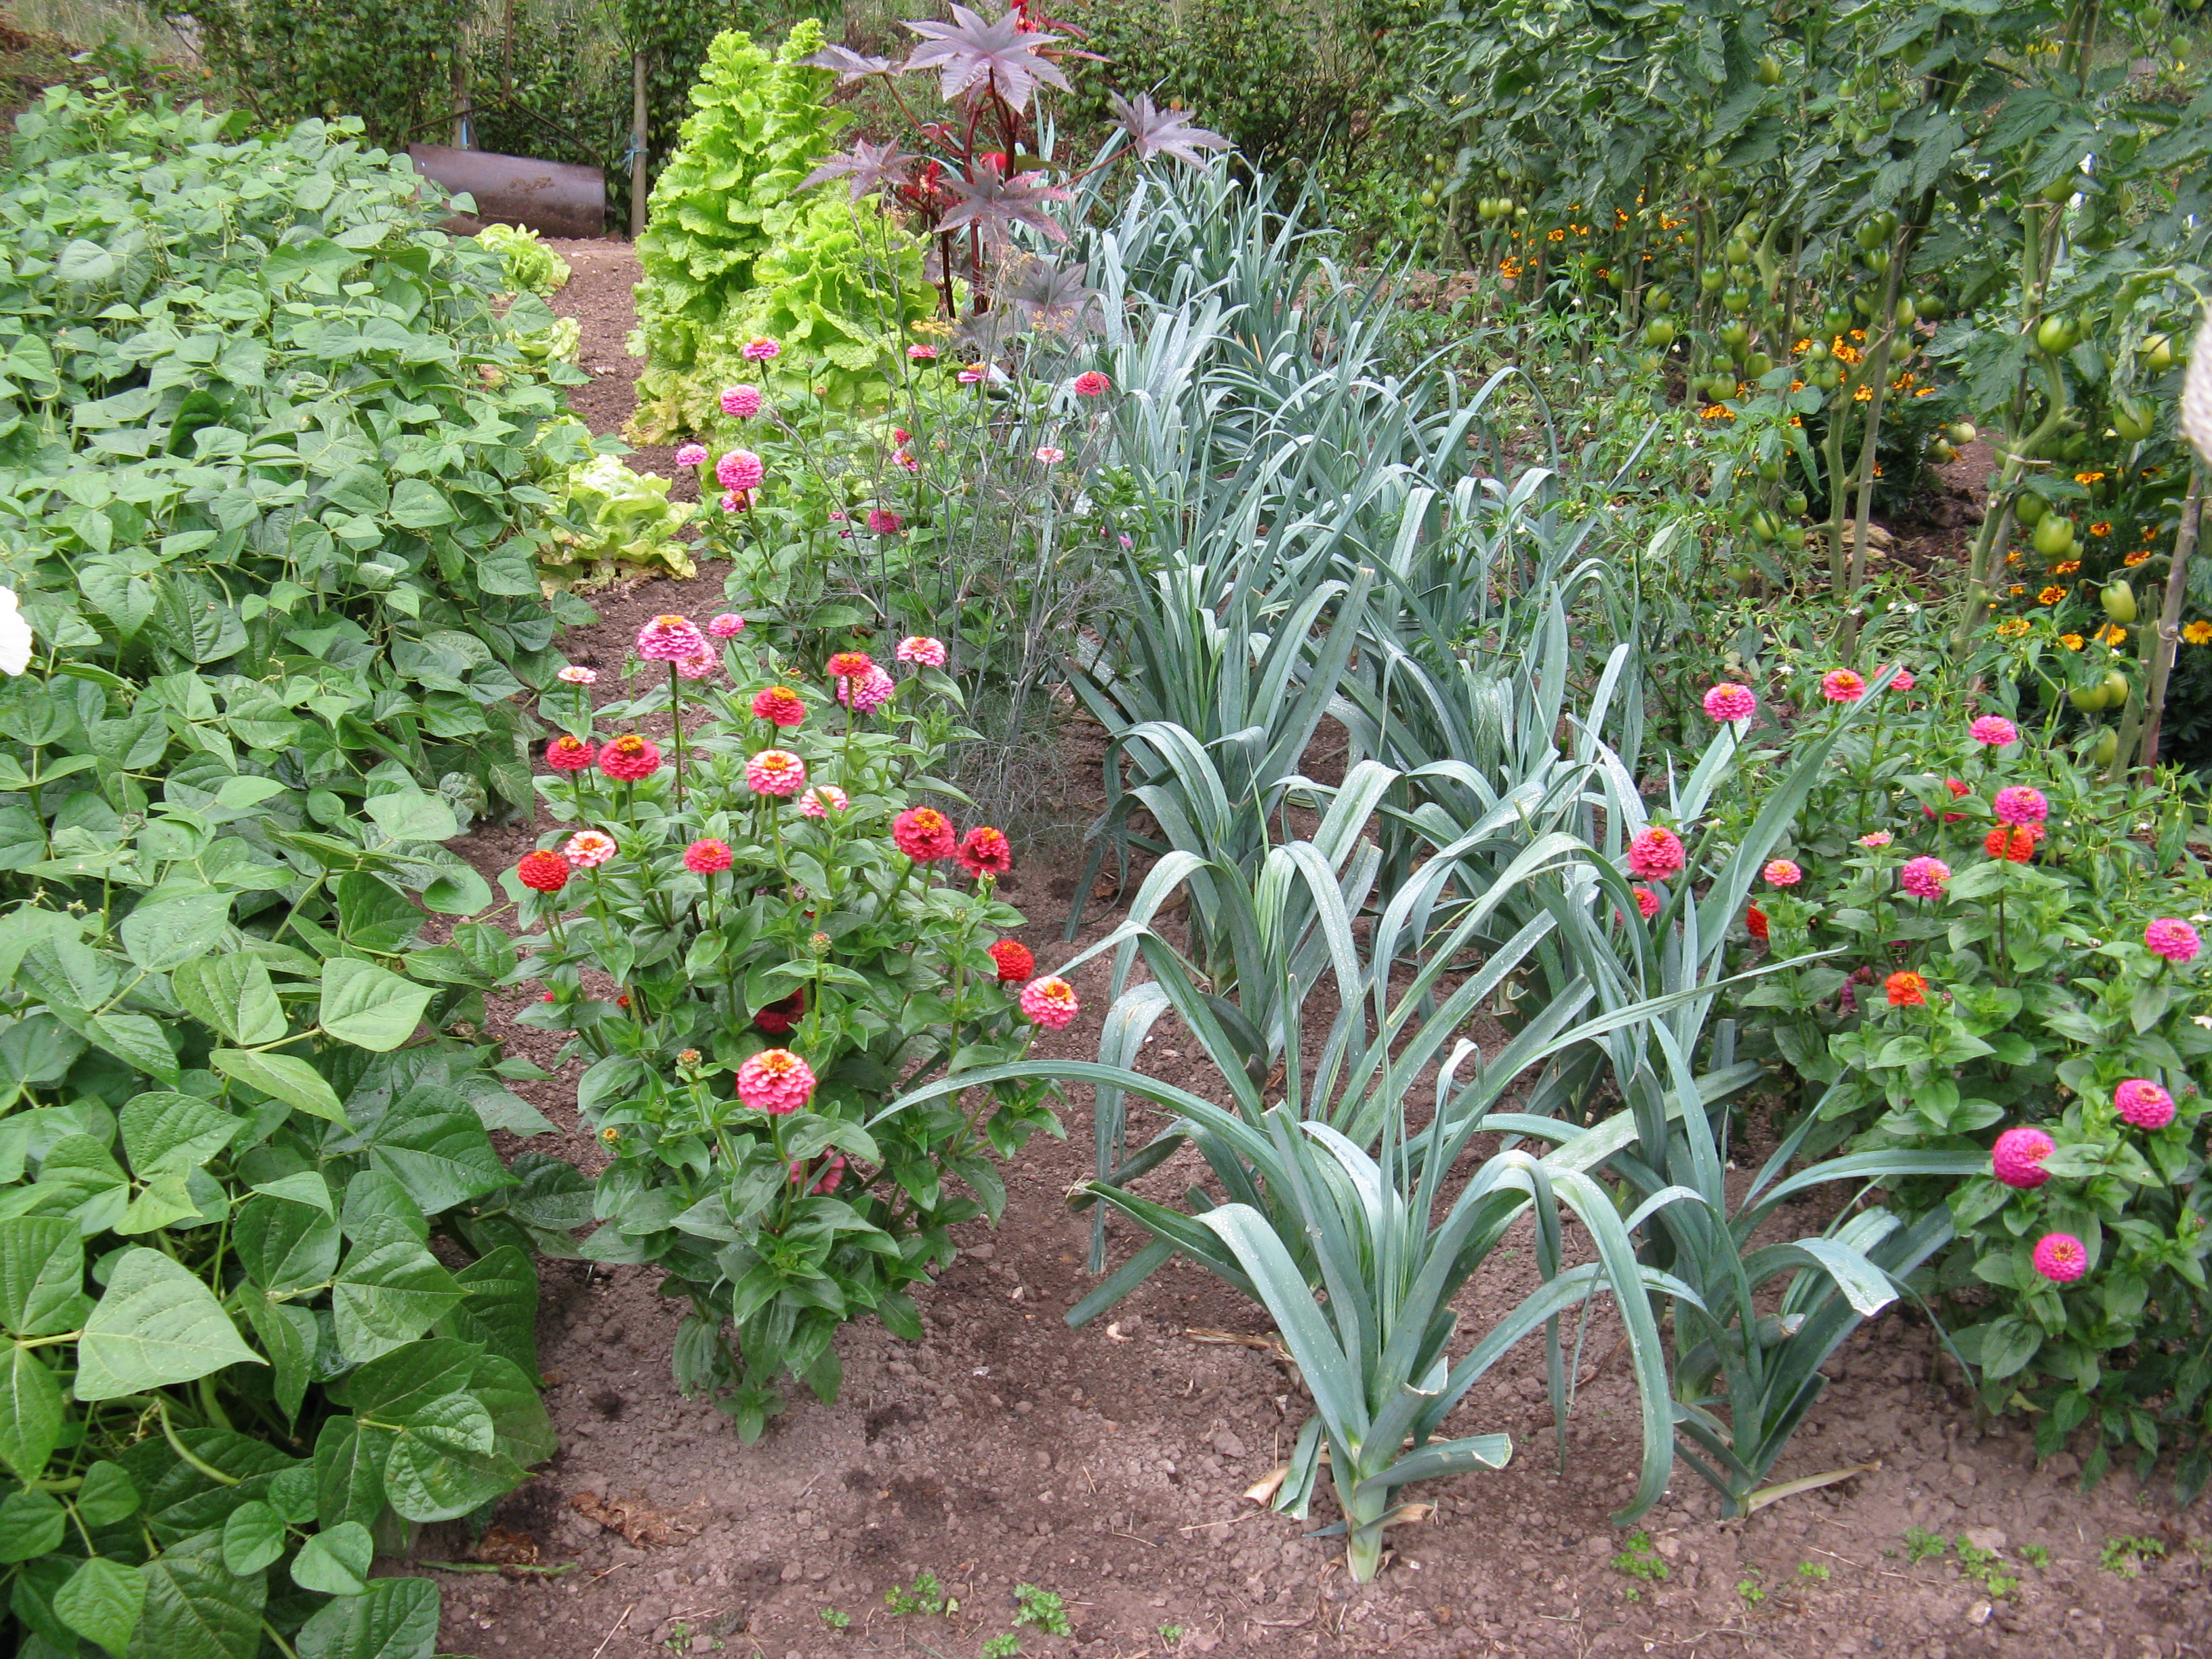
2169 616
636 146
461 110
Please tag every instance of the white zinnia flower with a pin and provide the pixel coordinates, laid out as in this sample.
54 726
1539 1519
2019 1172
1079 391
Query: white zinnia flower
14 635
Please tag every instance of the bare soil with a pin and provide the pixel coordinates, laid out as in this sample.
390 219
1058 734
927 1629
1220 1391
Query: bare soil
1108 1465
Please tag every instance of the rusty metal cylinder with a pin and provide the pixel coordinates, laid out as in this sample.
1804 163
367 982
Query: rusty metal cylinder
553 198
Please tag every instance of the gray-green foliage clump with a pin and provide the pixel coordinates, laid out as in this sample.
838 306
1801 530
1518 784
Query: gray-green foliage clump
258 418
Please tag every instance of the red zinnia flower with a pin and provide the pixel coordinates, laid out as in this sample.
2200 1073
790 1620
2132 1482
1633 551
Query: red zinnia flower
546 872
706 858
923 833
2016 844
779 706
985 851
1014 960
1754 922
1906 991
630 758
565 754
780 1016
851 665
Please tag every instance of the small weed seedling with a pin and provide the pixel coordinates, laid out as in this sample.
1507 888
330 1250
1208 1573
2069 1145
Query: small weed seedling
924 1595
1043 1608
2124 1555
1812 1573
1750 1590
2036 1556
678 1639
1982 1567
1001 1647
1920 1543
1170 1635
834 1619
1639 1560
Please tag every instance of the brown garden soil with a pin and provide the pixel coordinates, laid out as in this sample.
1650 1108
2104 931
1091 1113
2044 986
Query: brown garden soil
1108 1465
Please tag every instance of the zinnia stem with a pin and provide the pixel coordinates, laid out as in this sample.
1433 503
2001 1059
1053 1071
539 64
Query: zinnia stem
676 714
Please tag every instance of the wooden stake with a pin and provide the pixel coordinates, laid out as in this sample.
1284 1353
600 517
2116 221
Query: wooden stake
636 146
2169 617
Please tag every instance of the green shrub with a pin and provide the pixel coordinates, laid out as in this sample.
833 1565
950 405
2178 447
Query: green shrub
259 420
295 60
735 252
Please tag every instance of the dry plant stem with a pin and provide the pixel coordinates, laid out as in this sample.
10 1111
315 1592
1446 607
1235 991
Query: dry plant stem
1878 382
2169 618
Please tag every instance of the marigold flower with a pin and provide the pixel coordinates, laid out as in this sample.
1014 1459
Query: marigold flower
1994 731
707 858
1781 873
1014 961
568 754
775 772
2017 1158
2111 633
985 851
575 676
728 625
542 872
881 523
2197 632
923 833
2072 641
2061 1258
1050 454
2012 628
779 706
2050 594
670 638
1655 854
1906 990
921 648
1876 838
775 1080
2144 1103
692 455
1842 685
1923 878
2065 567
739 469
851 665
1730 702
2172 938
821 800
2140 556
2102 527
588 850
1755 922
611 1135
1647 902
2019 804
1050 1002
2016 844
871 692
629 758
762 349
780 1016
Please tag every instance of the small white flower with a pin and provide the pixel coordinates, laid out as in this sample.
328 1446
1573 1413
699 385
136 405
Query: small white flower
14 635
2205 1020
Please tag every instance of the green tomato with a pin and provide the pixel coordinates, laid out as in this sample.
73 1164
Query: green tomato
2132 420
2054 536
1889 100
1960 432
2057 335
1836 320
2120 603
1660 333
2059 190
1907 313
1769 70
1428 198
1737 251
2087 698
1794 504
1878 261
1941 453
2158 354
1869 235
1770 470
1735 336
1932 308
2116 688
2030 507
1712 279
1736 301
2106 748
1758 366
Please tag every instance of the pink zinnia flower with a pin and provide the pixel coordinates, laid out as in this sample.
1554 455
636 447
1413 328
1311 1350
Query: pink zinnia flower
972 373
762 349
1647 903
1090 384
1994 730
629 758
1050 455
691 455
575 676
2061 1258
871 692
2017 1158
923 833
1842 685
1050 1002
985 851
1904 682
775 1080
1728 701
1655 854
588 850
707 858
726 626
2020 804
775 772
737 500
822 799
921 648
832 1173
742 401
2144 1103
850 665
779 706
1876 838
881 523
739 469
1781 872
2174 940
565 754
670 638
922 353
1923 878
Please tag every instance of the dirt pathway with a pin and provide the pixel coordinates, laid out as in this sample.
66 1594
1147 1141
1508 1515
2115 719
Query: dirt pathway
1107 1465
